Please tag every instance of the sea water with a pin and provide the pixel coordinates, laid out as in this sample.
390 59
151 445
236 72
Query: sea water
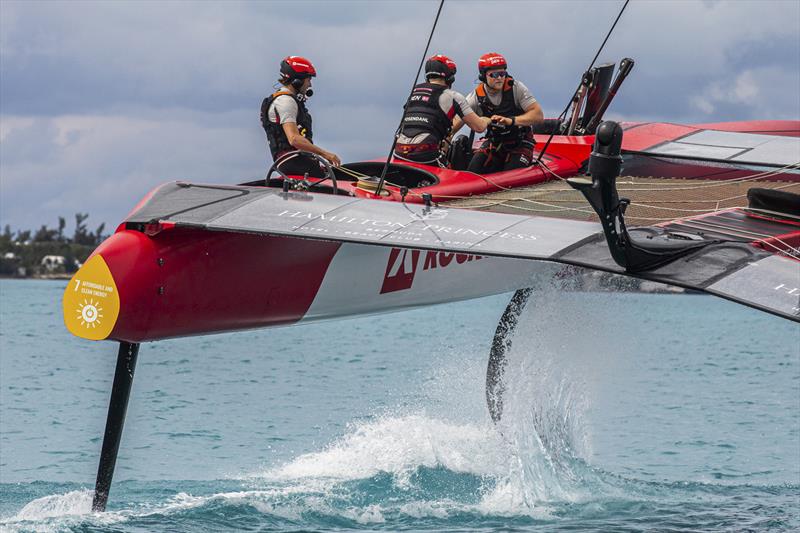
622 412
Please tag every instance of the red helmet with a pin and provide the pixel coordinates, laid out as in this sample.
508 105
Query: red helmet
441 66
296 68
490 61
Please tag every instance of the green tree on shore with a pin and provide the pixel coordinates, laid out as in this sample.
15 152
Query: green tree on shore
21 253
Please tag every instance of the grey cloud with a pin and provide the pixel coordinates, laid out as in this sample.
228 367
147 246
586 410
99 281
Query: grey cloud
101 101
111 161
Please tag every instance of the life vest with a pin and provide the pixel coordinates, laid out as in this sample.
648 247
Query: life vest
278 142
507 108
424 114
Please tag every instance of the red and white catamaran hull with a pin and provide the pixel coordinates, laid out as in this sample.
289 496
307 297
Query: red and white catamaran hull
196 259
183 282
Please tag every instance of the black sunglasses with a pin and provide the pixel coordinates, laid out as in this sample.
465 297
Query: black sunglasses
497 75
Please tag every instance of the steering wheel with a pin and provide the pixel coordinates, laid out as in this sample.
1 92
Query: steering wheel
497 127
329 174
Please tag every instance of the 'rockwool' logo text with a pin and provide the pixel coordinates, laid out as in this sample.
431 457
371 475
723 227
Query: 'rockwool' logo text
403 265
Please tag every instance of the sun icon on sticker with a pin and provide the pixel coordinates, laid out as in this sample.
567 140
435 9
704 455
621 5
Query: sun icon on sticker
90 313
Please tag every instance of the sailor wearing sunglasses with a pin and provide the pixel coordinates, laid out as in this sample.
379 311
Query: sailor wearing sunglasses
513 111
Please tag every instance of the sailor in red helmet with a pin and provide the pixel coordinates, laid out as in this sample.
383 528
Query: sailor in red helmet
287 121
429 114
513 111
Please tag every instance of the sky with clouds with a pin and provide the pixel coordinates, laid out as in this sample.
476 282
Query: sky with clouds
101 101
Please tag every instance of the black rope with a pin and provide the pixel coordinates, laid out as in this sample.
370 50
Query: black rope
400 127
575 94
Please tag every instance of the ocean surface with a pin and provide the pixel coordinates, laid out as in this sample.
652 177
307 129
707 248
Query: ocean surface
623 412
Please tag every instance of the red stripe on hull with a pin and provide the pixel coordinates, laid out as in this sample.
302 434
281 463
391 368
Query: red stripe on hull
184 282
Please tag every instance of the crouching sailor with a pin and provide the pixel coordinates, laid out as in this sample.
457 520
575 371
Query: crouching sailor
429 114
287 121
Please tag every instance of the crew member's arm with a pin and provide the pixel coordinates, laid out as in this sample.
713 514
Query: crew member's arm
468 115
301 143
477 123
457 125
524 99
532 115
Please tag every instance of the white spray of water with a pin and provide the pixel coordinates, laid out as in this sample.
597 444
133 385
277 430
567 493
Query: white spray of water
398 445
534 456
560 341
77 502
58 512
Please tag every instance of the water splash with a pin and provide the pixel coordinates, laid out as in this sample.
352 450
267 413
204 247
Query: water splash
399 446
78 502
546 397
59 512
535 456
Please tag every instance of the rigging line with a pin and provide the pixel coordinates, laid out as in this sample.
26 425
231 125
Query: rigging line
718 183
781 187
546 193
533 209
790 251
400 126
507 202
702 183
504 188
681 209
759 237
555 207
475 207
759 175
751 177
608 35
652 203
599 50
351 172
562 178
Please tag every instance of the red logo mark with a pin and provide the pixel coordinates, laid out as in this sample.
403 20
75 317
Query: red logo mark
402 266
400 270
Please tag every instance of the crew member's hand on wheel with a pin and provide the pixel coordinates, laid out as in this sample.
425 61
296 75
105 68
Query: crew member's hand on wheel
505 121
333 158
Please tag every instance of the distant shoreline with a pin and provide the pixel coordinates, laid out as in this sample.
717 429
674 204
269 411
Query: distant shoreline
45 277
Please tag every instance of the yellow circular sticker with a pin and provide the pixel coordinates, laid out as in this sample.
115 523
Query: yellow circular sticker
91 301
